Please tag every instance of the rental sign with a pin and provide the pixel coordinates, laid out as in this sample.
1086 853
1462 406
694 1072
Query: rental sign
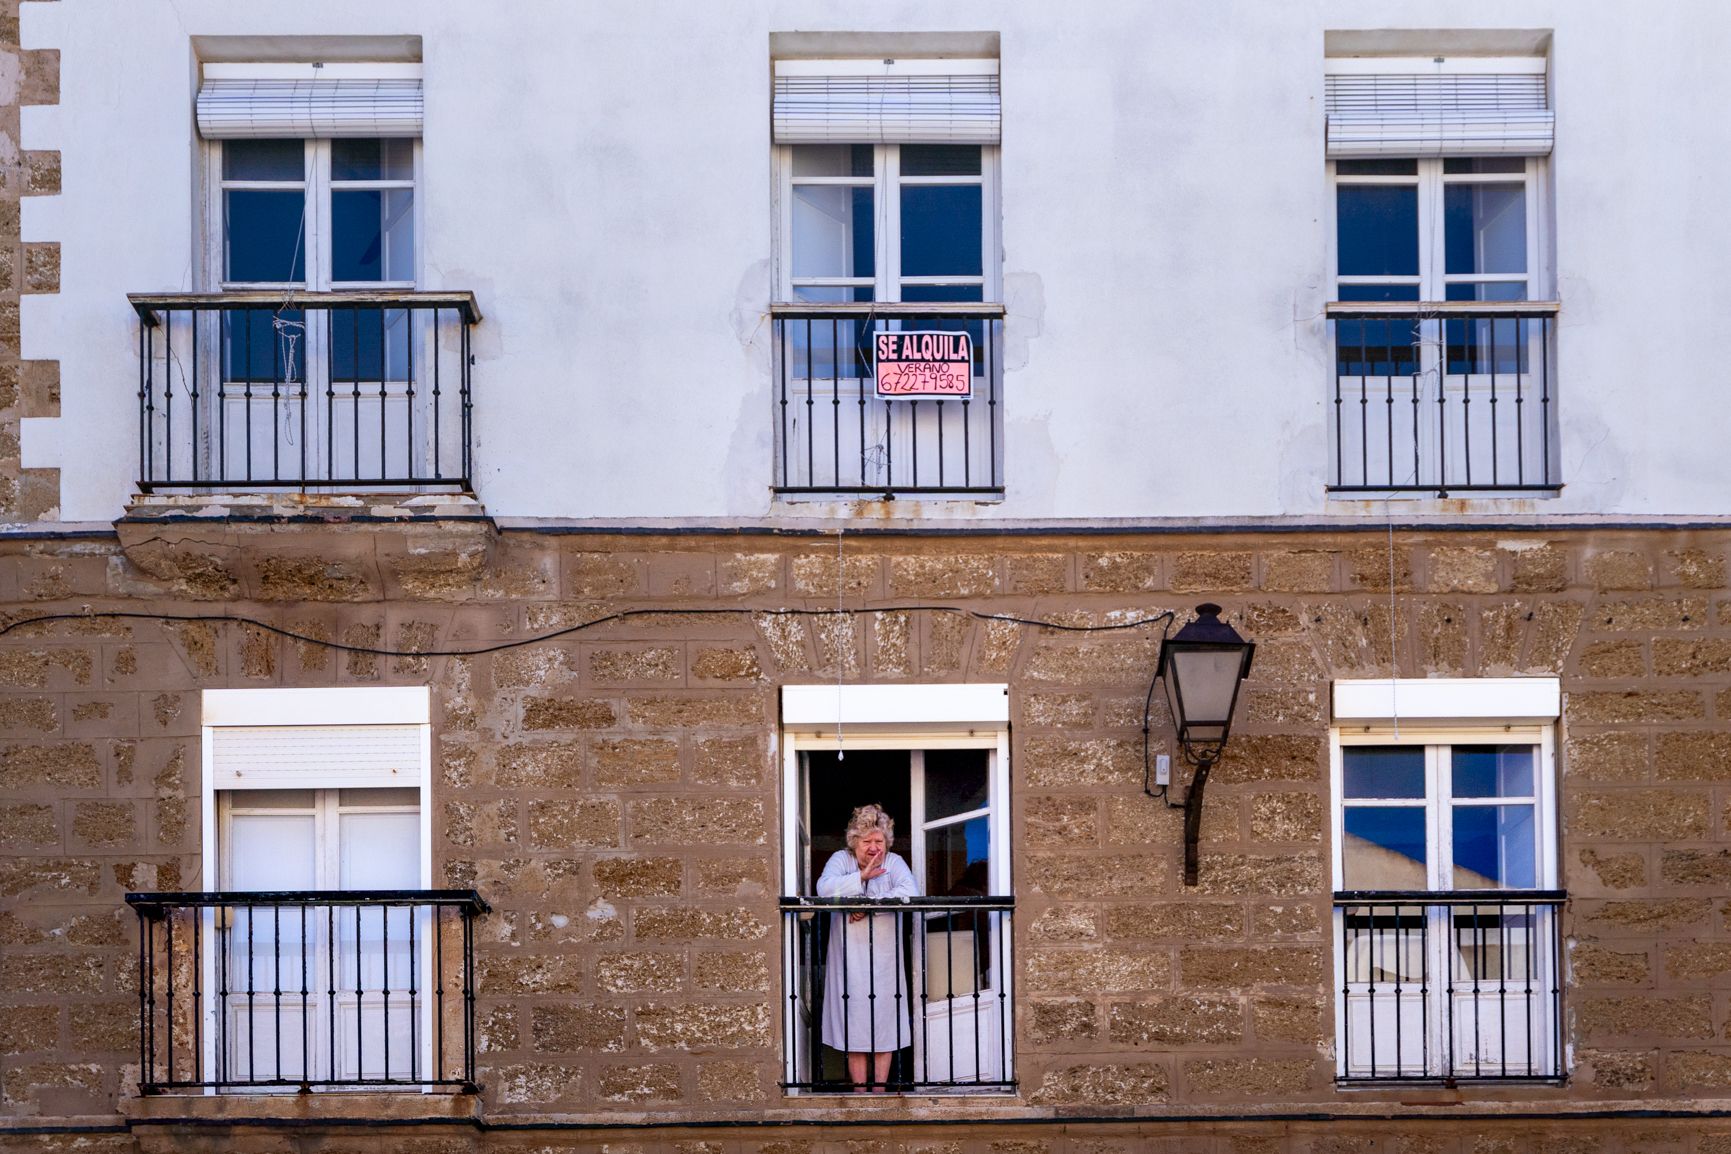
923 364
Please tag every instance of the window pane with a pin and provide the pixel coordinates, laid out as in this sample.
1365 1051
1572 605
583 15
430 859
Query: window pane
1377 229
940 160
1378 292
956 859
1384 848
1502 290
832 294
378 798
1379 166
373 235
264 345
1493 847
263 160
955 782
1382 770
1375 347
832 231
263 235
1490 344
940 292
832 160
1485 227
372 159
272 852
1493 770
369 344
941 230
1464 164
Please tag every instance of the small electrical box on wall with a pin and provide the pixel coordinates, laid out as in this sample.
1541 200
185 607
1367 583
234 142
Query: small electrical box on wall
1163 769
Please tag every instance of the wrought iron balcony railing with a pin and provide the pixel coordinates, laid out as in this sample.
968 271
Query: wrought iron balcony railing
1450 397
845 429
330 391
1451 987
304 990
927 980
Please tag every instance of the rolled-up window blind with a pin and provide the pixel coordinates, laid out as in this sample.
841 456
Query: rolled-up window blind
1424 107
315 756
233 104
900 102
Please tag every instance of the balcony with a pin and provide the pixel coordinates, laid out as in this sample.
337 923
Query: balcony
927 980
1450 398
321 391
1452 987
260 992
841 431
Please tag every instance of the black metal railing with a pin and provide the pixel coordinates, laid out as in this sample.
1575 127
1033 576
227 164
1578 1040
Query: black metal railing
300 990
927 980
1452 397
835 434
322 390
1449 987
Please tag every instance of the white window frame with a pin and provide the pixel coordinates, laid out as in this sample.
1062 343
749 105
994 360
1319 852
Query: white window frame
1432 182
316 238
1436 714
914 718
360 705
886 183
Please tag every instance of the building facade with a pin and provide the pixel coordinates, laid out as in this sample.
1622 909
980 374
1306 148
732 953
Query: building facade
489 493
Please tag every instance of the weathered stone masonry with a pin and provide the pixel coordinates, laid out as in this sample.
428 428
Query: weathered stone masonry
613 793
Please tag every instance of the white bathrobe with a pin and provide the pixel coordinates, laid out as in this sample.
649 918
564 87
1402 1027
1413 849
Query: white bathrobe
875 960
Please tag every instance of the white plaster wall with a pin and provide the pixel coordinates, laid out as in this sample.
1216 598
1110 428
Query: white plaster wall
599 174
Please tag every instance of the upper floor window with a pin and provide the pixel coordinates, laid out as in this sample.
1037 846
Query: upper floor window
1441 229
318 213
888 179
1443 320
887 224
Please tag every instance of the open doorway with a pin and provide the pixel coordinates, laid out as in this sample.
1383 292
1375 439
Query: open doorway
945 951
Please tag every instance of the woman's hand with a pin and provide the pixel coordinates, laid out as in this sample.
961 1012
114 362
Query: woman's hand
871 866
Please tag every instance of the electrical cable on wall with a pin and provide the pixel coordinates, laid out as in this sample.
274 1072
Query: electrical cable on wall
520 642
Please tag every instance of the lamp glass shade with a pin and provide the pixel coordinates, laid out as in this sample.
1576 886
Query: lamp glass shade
1204 687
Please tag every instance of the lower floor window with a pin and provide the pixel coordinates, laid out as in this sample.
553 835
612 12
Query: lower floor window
897 919
1446 925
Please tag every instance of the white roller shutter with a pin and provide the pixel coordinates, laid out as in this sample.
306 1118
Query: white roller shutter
1423 107
315 756
242 101
900 102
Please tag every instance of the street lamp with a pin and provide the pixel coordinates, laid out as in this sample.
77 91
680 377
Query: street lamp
1203 665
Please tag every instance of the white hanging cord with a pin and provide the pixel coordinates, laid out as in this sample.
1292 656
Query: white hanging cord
1393 659
840 751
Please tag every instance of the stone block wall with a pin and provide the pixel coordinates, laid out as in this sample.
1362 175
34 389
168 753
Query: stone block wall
614 792
27 388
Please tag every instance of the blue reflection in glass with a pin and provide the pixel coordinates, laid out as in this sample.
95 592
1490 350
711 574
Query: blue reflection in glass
369 345
261 345
357 240
941 230
1385 847
1485 228
1493 770
263 231
1493 847
1382 771
1376 230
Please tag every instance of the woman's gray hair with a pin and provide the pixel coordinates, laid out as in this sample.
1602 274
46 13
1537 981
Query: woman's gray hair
867 818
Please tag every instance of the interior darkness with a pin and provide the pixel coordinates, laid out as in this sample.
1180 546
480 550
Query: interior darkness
839 786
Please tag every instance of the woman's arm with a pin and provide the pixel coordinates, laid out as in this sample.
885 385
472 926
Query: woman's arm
840 878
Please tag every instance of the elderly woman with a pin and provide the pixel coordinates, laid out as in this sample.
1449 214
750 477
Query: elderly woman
862 1012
